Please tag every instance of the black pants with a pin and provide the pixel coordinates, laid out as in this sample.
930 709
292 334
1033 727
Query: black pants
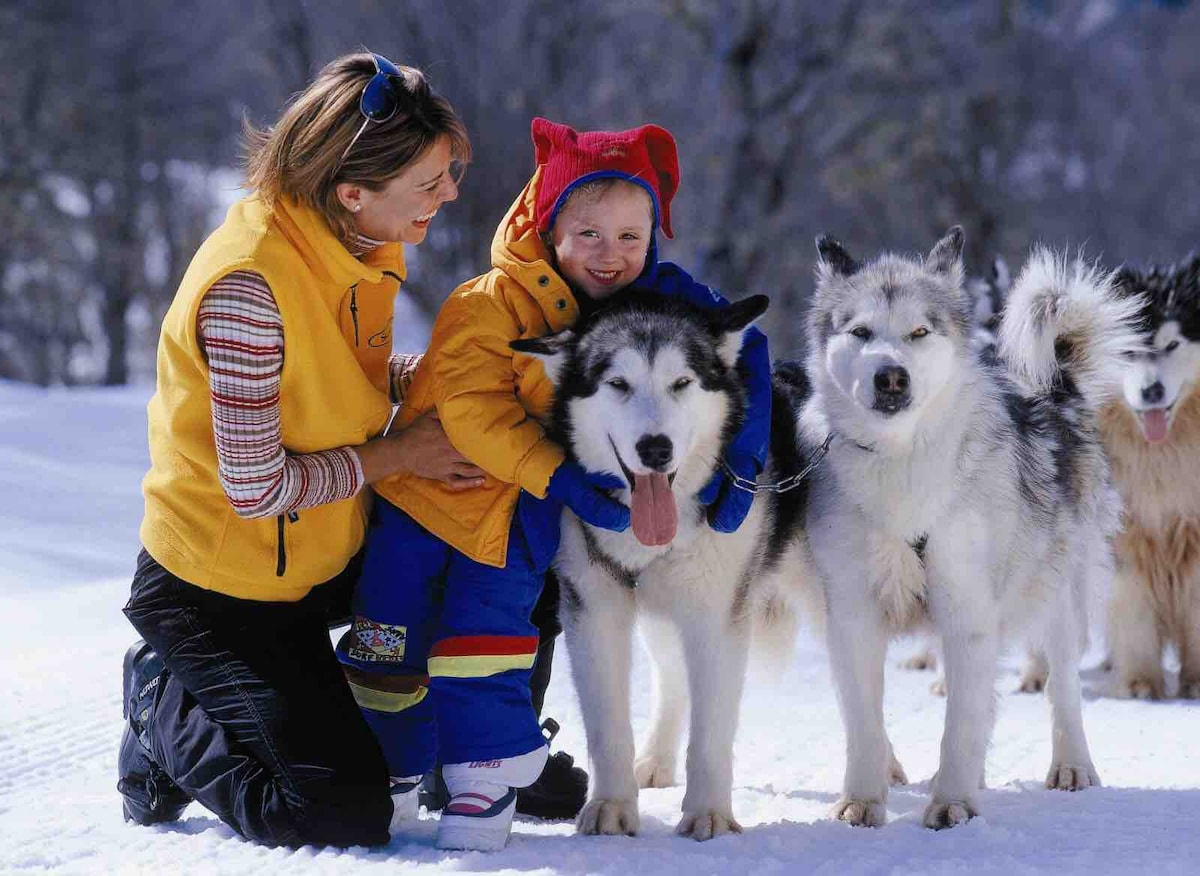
254 718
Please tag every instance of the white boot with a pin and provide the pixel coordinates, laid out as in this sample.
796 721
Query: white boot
405 803
483 798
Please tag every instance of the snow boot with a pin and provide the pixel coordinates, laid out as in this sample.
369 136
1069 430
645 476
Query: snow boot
558 794
433 793
560 791
405 801
150 796
483 799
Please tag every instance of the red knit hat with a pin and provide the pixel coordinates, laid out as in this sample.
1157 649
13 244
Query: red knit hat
645 156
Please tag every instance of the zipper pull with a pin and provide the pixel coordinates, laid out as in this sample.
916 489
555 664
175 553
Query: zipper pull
293 516
354 310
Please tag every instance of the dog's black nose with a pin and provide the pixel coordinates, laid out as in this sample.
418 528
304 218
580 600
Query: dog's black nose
892 380
1154 393
654 451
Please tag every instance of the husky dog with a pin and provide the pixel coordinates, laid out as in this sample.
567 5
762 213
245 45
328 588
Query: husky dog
959 488
649 388
1152 435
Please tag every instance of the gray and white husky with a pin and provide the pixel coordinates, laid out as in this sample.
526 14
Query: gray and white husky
649 388
960 488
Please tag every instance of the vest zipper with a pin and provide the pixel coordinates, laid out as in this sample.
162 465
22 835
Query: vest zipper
280 522
354 310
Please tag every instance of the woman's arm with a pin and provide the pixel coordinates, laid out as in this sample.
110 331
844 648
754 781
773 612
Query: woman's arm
401 368
242 335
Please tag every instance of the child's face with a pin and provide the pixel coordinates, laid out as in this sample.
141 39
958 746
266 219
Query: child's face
600 241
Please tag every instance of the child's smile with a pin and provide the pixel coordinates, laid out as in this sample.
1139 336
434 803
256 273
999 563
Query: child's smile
601 239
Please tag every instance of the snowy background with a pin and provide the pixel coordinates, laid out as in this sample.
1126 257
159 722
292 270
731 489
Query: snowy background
70 466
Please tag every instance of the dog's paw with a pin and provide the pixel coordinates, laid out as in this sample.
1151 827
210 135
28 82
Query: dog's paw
938 688
608 817
1032 681
706 825
861 813
896 774
921 661
1141 687
651 772
940 814
1072 777
1189 688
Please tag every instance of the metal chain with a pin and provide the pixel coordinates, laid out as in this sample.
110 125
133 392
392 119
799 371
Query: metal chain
788 483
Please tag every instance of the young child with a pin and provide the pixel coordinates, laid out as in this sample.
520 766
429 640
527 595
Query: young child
440 652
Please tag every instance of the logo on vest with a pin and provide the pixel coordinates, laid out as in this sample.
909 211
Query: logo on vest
381 338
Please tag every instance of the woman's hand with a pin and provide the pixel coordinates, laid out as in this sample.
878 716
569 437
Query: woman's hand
421 449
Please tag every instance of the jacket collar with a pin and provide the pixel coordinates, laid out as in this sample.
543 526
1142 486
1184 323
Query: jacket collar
518 251
326 256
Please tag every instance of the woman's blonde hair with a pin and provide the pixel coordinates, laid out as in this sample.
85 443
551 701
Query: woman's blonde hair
301 154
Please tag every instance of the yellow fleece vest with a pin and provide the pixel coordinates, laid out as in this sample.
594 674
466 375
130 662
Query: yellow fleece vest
337 318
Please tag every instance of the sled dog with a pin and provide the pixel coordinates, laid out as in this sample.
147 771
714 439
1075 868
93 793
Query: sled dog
648 389
1152 435
961 489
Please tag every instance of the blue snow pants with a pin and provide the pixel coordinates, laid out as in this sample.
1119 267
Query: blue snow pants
441 648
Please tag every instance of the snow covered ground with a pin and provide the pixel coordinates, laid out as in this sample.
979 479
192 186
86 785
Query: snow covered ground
70 466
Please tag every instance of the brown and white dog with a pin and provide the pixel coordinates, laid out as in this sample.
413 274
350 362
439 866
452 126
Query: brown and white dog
1152 436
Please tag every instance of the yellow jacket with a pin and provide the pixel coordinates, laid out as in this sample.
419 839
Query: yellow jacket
337 318
492 402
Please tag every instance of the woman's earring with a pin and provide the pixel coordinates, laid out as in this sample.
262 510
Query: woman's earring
358 208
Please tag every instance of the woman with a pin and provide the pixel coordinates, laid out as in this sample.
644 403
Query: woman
275 384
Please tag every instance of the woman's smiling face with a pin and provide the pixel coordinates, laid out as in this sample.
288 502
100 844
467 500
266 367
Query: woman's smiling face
404 207
600 240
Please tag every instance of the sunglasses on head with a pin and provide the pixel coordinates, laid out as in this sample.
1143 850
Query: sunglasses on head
380 98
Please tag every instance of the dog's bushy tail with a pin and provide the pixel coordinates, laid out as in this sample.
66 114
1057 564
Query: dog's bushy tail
1065 328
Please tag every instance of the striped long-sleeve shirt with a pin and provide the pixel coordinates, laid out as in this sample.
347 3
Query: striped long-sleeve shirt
242 336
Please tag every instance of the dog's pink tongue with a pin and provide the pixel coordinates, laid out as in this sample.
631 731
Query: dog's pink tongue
654 516
1154 425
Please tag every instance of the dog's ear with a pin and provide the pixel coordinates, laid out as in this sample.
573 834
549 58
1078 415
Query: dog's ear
731 323
1127 280
551 349
1001 276
946 254
740 314
834 256
1191 273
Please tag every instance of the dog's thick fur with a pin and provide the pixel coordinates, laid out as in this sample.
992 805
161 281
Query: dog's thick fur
961 488
649 367
1156 599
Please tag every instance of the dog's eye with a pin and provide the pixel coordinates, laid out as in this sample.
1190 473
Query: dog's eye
620 384
1171 346
861 332
918 333
681 384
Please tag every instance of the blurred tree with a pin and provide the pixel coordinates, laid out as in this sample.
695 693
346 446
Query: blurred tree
1072 122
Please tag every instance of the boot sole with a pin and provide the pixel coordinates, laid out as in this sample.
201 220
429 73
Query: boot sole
472 837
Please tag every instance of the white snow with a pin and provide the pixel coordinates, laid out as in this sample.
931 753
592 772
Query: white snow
70 467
